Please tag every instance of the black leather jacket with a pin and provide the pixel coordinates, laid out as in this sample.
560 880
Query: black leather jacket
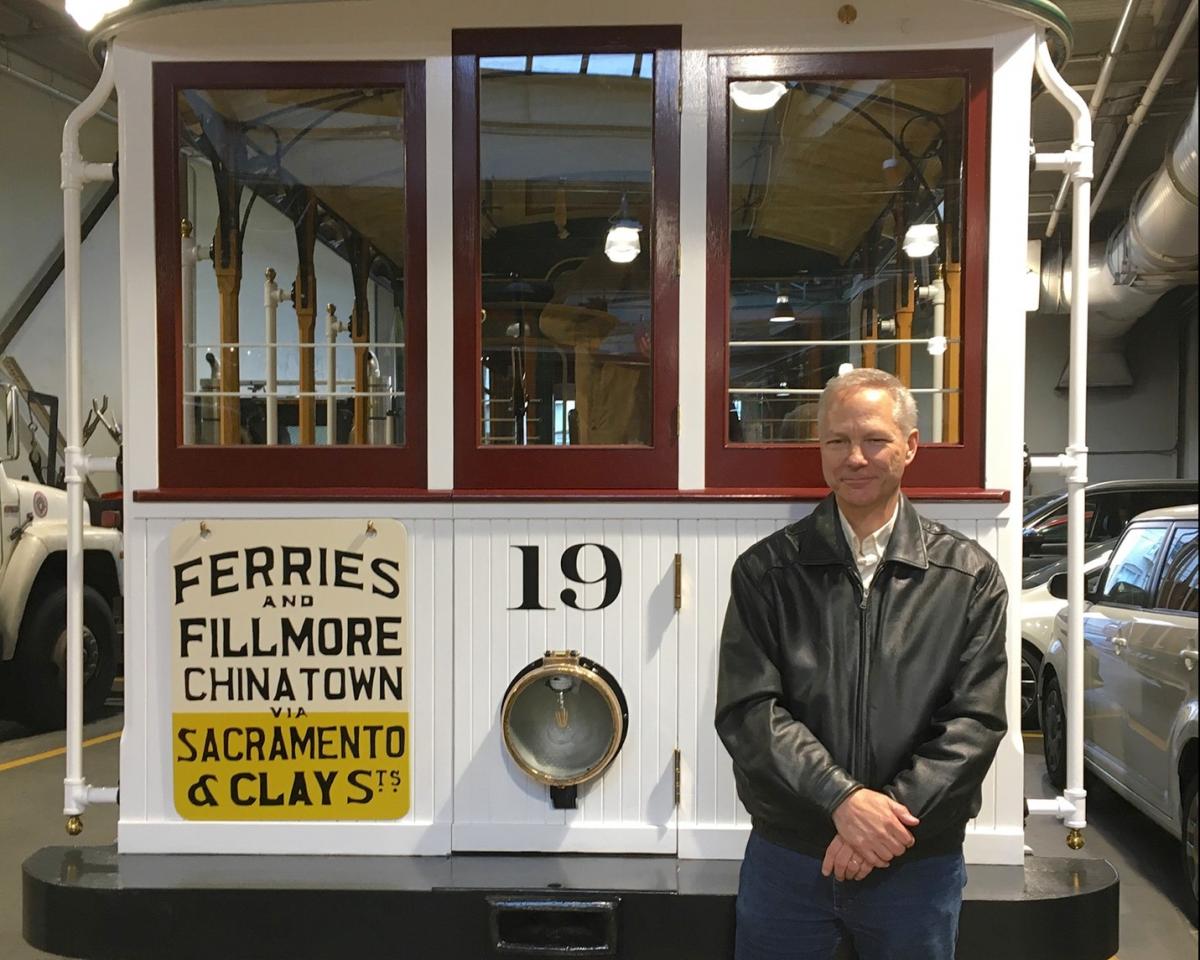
822 691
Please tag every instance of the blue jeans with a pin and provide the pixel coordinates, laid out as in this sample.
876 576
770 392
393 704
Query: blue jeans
787 911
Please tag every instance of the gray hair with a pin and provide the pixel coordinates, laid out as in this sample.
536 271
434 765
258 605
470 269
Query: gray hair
904 407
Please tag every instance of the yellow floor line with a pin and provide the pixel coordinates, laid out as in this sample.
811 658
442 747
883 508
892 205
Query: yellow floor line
25 761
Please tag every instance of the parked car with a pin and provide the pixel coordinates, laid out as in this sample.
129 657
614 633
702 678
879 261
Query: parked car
1038 609
1108 507
1139 699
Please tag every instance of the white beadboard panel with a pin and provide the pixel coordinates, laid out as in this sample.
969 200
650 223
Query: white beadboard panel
359 838
610 837
134 792
149 822
712 820
713 842
496 805
996 845
711 816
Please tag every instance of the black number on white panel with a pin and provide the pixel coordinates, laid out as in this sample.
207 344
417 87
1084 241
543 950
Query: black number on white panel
531 577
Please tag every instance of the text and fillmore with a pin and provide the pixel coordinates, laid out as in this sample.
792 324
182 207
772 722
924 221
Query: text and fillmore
290 670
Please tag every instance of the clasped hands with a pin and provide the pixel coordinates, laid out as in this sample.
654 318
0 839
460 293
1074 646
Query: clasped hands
872 829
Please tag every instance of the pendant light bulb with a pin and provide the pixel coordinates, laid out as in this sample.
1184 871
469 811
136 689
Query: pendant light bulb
784 311
920 240
623 243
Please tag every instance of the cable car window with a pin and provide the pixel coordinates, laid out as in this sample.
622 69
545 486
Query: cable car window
565 165
297 308
569 187
843 224
307 184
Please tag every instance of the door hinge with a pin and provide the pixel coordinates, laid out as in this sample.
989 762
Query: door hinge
678 581
678 764
675 421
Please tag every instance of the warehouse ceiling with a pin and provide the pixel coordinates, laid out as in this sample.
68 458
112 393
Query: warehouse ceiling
38 39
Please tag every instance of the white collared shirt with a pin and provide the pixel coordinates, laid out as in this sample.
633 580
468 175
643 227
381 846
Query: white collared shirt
868 552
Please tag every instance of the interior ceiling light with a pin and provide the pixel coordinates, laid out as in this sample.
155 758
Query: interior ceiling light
784 311
88 13
892 172
756 94
623 243
920 240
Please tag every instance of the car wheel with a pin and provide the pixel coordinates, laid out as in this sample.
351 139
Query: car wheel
1189 839
1031 663
1054 734
42 657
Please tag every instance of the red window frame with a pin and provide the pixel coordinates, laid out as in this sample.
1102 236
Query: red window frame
576 469
949 467
316 470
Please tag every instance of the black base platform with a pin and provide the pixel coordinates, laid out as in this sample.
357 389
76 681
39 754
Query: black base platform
90 903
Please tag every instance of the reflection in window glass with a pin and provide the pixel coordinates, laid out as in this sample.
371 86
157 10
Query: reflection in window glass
1053 528
845 247
565 235
1132 566
558 63
1179 580
305 188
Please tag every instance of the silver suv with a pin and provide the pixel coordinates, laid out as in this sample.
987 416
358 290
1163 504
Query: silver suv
1139 636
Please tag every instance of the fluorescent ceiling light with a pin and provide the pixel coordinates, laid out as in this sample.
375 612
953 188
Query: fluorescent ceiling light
756 94
88 13
920 240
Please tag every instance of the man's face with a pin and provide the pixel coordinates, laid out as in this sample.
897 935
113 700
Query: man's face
863 450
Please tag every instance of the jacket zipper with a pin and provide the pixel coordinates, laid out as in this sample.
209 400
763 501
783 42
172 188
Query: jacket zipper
858 744
861 770
860 731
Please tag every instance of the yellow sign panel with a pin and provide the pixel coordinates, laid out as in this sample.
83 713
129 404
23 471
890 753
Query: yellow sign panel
290 670
320 766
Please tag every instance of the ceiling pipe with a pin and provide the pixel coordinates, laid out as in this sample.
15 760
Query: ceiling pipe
1154 250
1182 34
1098 94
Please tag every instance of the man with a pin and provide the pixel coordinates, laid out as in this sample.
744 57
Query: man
861 697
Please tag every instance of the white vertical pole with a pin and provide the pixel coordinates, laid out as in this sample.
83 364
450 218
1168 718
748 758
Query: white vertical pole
75 173
1072 465
333 325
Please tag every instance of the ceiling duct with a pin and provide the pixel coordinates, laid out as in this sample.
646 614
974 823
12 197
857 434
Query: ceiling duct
1153 251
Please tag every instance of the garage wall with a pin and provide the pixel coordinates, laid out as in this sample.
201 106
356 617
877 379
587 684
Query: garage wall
1132 432
31 235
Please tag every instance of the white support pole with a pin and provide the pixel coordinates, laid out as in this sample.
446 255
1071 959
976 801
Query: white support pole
334 326
272 297
1071 808
935 293
190 254
75 173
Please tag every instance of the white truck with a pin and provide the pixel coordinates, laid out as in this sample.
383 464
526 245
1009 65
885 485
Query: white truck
33 596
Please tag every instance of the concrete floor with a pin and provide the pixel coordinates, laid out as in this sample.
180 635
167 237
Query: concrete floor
1154 923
